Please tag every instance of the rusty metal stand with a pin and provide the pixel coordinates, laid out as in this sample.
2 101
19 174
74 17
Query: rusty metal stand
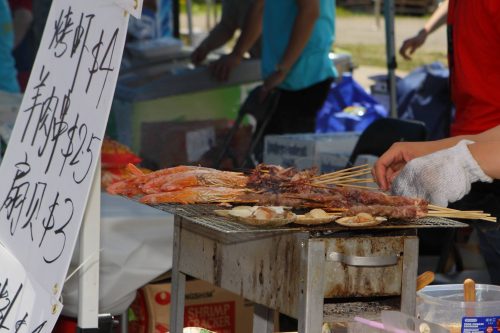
178 290
290 271
263 319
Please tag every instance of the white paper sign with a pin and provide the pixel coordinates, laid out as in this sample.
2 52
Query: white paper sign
24 305
49 165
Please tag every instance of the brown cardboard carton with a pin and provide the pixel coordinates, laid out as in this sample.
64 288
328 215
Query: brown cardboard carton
205 306
172 143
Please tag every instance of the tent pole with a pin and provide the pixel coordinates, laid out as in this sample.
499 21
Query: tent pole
189 10
391 55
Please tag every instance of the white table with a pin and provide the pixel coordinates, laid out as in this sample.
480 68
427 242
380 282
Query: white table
136 247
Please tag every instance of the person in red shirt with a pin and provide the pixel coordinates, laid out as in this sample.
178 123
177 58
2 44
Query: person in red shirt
473 53
474 56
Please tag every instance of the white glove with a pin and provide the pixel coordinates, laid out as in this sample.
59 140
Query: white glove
441 177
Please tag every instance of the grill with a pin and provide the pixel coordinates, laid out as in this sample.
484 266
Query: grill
204 215
294 268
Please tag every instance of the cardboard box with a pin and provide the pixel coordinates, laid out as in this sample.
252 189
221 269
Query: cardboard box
206 306
172 143
303 150
330 162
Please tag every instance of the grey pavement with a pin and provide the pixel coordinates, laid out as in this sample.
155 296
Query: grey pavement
364 30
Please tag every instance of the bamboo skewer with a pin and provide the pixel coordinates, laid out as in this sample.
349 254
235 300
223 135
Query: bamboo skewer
329 176
345 181
439 211
347 174
346 177
356 180
463 212
350 176
457 215
446 209
356 186
467 217
339 172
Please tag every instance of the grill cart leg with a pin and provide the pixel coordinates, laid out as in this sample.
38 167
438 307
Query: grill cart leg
310 312
409 283
263 319
88 285
178 284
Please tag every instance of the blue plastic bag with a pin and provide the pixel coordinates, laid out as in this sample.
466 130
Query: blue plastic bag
348 107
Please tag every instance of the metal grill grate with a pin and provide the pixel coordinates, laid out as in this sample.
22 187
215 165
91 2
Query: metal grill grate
344 312
204 215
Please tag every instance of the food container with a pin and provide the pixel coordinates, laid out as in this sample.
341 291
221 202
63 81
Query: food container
444 305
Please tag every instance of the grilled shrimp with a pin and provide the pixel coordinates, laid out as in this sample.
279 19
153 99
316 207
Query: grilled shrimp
134 170
195 194
186 179
124 187
154 185
131 187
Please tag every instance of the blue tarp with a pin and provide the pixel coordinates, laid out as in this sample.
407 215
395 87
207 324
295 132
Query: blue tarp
348 107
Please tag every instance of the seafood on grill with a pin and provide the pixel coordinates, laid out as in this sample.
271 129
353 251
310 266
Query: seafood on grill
133 186
271 185
315 216
177 181
195 195
360 220
260 215
399 212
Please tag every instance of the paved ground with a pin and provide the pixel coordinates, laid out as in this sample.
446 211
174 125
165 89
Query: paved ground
363 29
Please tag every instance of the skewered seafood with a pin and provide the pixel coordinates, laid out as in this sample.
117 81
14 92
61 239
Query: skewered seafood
276 186
276 179
131 187
195 194
400 212
178 181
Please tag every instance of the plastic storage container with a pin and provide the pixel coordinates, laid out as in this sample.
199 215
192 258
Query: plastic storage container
444 305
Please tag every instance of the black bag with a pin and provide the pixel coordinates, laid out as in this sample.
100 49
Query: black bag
424 95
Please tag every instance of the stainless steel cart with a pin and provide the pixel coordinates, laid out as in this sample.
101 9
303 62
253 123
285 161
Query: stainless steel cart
293 269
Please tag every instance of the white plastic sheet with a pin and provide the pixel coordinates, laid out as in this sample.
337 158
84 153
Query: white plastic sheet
136 247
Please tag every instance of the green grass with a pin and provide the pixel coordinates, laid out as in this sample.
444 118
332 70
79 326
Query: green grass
374 55
344 12
200 8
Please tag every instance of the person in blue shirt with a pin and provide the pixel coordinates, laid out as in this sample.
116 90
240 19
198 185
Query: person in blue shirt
8 74
297 36
233 18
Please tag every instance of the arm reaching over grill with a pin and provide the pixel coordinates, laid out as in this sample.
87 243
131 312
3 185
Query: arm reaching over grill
392 162
441 177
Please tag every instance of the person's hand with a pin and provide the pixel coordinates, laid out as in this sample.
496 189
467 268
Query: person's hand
198 55
272 82
393 161
441 177
410 45
222 67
